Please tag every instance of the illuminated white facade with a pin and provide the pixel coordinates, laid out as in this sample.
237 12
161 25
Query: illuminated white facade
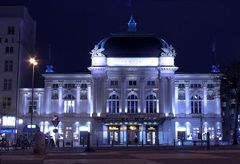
128 99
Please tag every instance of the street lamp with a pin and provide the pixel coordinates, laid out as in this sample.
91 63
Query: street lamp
33 62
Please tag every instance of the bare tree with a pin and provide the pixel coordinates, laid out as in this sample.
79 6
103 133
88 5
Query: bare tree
231 85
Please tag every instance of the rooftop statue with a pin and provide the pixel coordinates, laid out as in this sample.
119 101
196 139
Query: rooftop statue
97 51
168 50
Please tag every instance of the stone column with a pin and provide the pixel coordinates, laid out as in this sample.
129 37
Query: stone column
176 98
204 97
95 93
123 95
187 98
90 98
78 86
60 99
217 99
142 96
171 95
48 94
162 98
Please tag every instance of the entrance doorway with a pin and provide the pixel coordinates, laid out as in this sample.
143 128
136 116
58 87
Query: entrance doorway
114 134
133 134
152 135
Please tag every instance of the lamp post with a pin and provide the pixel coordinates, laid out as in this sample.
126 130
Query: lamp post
33 62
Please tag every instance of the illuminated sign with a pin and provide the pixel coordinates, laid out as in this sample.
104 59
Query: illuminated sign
151 61
8 121
113 128
8 131
151 128
132 128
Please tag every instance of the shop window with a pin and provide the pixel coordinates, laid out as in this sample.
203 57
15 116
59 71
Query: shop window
55 95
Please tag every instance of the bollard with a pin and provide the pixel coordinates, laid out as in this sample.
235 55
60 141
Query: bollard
208 141
39 146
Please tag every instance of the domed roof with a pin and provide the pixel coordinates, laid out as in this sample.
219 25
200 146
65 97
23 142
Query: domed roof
131 45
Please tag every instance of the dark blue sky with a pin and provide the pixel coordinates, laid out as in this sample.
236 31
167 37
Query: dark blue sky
73 27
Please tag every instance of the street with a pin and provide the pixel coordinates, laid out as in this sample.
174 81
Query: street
125 156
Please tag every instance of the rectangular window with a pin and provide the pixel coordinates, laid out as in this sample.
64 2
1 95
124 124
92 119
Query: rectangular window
181 85
114 83
69 86
9 50
132 83
84 86
34 106
8 66
54 85
7 84
150 83
195 85
210 85
6 103
11 30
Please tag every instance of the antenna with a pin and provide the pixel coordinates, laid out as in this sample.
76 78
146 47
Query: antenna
215 66
49 53
49 67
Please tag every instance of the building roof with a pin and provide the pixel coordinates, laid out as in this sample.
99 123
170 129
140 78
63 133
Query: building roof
131 44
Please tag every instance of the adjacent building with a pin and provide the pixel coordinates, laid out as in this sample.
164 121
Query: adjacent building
17 41
131 95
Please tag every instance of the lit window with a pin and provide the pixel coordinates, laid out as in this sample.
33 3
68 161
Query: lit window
69 104
196 104
151 104
113 104
132 104
8 121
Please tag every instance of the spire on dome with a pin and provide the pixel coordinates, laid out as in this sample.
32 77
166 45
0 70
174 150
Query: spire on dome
132 25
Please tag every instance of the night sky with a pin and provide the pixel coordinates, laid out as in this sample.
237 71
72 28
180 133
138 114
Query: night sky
73 27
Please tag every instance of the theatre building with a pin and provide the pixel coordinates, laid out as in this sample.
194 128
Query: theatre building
132 95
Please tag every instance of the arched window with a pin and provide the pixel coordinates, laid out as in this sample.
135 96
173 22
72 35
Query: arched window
69 103
132 104
151 104
196 104
113 103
